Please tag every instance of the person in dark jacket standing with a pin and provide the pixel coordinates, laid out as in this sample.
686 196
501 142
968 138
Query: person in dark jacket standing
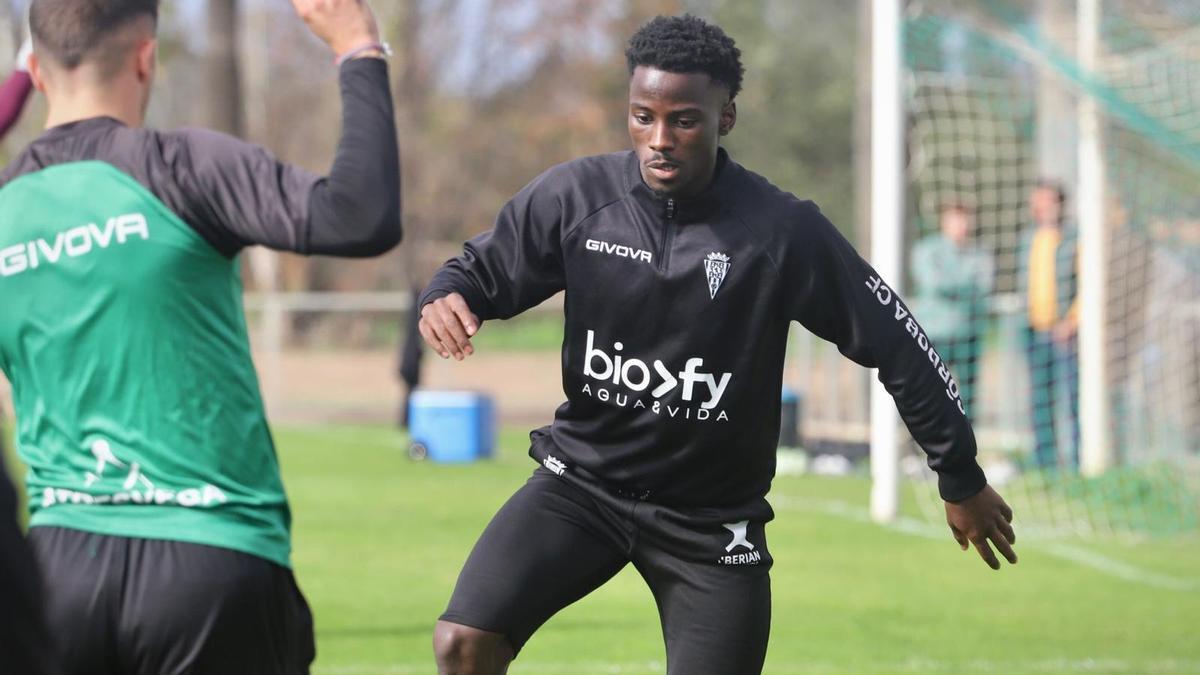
158 517
682 273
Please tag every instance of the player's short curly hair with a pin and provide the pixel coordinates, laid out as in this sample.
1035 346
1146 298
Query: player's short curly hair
687 44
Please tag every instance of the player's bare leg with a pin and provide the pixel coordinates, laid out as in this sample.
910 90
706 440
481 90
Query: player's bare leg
462 650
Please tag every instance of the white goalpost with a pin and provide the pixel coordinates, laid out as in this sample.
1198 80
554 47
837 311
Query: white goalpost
887 233
1094 451
888 144
974 103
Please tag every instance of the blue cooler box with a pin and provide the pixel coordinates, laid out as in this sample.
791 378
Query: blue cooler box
451 426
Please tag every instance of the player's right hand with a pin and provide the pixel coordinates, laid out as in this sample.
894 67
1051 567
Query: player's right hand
980 518
343 24
448 325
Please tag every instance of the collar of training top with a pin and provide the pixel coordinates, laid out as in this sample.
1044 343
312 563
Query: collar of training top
80 126
686 210
77 126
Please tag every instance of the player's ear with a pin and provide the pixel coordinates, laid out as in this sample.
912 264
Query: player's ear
36 74
147 53
728 118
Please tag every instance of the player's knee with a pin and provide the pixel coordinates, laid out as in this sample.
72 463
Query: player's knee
462 650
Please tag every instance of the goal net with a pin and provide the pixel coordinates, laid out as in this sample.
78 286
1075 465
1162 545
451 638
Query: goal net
994 91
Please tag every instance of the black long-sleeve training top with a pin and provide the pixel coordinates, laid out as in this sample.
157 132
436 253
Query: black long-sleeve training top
236 194
677 316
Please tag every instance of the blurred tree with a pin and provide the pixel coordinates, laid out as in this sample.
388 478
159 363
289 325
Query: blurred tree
490 93
795 114
222 80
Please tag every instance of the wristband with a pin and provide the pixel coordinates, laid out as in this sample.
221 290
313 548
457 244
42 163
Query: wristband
379 46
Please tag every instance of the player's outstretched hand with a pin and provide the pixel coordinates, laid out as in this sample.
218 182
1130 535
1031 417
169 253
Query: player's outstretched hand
980 518
343 24
448 325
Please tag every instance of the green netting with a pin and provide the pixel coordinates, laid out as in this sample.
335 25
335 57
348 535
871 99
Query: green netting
994 90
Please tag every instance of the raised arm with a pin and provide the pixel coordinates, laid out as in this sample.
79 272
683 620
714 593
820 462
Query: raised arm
356 210
239 194
840 298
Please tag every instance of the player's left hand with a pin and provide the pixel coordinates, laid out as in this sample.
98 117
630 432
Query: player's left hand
980 518
343 24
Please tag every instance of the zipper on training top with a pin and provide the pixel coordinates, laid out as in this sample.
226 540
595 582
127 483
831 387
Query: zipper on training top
669 213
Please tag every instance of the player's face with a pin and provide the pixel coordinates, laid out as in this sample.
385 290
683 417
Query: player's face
675 122
1045 206
956 225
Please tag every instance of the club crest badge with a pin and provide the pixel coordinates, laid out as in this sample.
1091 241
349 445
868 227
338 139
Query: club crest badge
716 266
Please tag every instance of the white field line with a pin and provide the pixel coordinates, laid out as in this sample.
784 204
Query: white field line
1072 553
915 665
910 526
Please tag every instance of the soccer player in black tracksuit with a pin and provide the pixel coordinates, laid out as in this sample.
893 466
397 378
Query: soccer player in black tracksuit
682 273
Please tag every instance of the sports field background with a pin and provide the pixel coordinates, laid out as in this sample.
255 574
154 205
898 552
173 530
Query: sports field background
379 541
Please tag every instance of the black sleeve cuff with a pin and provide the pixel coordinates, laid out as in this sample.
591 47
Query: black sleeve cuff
372 66
964 482
429 295
474 302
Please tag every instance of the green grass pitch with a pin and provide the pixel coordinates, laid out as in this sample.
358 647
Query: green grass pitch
379 541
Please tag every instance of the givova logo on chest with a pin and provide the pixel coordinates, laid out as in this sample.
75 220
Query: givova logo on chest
618 250
72 243
636 375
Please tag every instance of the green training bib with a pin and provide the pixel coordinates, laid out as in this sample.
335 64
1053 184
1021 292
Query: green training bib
123 335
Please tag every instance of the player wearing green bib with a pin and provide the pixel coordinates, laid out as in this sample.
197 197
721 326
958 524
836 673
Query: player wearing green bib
158 516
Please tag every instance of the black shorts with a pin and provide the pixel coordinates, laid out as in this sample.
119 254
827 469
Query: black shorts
24 641
561 537
127 606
